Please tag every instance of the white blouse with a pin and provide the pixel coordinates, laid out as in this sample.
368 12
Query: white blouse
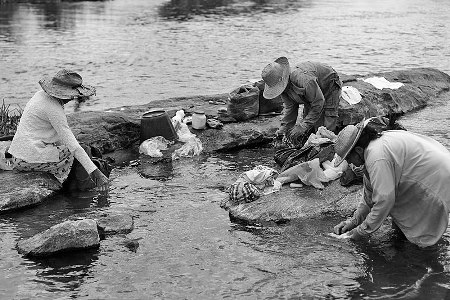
42 127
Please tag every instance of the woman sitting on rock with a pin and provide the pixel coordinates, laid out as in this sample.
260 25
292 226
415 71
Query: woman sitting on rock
406 176
43 140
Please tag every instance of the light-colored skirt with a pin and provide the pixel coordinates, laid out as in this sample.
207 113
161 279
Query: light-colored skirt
60 169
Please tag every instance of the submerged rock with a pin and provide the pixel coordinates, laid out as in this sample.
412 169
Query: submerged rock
69 235
115 224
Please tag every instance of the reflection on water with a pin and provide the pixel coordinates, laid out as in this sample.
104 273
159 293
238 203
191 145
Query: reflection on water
183 10
139 51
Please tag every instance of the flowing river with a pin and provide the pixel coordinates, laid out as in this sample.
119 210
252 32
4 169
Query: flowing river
136 51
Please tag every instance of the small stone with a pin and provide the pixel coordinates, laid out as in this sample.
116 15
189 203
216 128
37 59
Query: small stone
115 224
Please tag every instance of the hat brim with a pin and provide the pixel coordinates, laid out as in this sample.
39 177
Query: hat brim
271 92
64 92
339 159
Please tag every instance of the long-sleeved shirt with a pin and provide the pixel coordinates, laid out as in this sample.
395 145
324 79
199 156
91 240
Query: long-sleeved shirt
43 125
407 178
310 84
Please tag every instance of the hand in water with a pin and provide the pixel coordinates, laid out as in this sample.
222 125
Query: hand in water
100 180
352 234
343 227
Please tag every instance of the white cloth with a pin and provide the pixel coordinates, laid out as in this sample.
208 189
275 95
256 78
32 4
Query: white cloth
309 172
332 172
43 125
382 83
350 94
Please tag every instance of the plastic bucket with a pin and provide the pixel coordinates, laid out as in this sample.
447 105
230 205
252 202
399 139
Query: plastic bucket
157 123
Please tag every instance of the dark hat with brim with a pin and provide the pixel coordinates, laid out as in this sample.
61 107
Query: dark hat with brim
66 85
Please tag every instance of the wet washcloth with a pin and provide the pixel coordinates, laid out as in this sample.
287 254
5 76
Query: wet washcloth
382 83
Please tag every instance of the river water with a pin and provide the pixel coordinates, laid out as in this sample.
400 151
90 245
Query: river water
136 51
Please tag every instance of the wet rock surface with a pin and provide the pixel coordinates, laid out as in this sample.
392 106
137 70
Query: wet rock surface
296 203
115 223
69 235
22 190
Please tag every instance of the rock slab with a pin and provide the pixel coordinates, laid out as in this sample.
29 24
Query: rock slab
69 235
115 224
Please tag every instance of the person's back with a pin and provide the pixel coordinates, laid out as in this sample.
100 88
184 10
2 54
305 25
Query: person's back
420 168
35 130
308 70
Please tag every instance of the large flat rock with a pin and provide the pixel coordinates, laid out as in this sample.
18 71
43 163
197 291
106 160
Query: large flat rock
120 127
117 132
297 203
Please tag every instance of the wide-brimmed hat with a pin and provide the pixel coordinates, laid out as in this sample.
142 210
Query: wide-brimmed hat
276 77
346 140
66 85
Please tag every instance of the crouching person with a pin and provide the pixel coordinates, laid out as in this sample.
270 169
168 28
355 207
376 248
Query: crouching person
405 176
43 140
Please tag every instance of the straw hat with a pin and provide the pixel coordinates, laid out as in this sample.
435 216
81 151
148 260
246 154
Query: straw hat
66 85
346 140
276 77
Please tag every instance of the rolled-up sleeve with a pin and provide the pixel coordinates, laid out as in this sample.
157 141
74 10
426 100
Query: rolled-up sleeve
58 120
381 193
290 113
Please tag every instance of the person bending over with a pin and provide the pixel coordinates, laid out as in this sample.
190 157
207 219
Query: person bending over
405 176
314 85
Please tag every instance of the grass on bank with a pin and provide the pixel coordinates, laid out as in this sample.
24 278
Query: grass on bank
9 119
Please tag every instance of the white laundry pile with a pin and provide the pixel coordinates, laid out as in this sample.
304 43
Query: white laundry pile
382 83
311 173
192 144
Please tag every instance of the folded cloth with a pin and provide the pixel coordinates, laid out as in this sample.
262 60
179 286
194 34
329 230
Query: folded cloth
381 83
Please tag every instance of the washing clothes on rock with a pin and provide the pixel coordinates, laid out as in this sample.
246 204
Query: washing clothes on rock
253 184
303 164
